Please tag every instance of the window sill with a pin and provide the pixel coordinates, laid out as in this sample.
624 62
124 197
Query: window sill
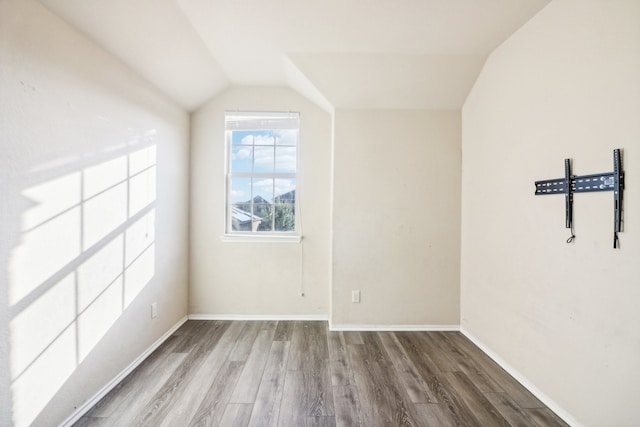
246 238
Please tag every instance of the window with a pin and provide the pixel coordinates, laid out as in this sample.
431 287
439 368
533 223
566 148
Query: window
262 162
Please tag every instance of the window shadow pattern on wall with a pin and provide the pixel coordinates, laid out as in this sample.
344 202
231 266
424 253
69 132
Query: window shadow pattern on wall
86 250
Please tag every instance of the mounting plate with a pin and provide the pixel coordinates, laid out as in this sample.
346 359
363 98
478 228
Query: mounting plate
570 184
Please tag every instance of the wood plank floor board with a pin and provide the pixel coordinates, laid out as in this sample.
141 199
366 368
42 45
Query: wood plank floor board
236 415
159 406
266 408
134 381
297 347
284 330
544 417
191 337
468 364
309 355
141 391
477 404
452 403
317 375
435 414
523 397
309 345
247 386
415 385
187 328
298 373
353 337
188 402
243 346
214 403
341 373
438 351
383 401
321 422
433 377
509 410
418 354
87 421
293 410
347 406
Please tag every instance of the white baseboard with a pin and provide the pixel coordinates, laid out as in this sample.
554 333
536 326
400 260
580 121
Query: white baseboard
559 411
268 317
392 328
78 413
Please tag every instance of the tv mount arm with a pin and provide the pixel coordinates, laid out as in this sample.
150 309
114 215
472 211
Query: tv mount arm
570 184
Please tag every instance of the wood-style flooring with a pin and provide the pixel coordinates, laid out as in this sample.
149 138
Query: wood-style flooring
232 373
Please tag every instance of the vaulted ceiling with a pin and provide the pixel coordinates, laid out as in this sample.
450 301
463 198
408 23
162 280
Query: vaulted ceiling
338 53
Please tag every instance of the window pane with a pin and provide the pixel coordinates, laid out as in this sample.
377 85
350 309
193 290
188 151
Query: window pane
265 212
263 190
241 158
285 217
285 190
265 137
261 170
244 137
285 159
240 190
263 160
287 137
242 220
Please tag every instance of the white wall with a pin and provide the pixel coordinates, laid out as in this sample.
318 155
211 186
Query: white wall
231 278
94 224
564 315
396 218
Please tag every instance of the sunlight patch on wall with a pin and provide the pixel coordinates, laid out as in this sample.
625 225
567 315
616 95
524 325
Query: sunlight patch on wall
95 321
50 234
97 273
138 274
41 322
104 213
35 387
86 252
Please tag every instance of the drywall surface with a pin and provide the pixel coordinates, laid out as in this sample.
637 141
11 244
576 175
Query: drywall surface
94 222
231 278
396 217
564 315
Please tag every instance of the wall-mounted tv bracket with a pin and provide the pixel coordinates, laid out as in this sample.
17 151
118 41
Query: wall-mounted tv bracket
570 184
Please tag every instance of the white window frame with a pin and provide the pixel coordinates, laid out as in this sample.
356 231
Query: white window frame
266 118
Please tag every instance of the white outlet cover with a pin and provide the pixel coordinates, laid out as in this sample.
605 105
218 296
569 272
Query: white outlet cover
355 296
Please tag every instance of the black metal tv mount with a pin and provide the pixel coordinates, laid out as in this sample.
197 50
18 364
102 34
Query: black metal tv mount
609 181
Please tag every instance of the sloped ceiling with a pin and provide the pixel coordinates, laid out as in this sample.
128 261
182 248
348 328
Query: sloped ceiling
339 53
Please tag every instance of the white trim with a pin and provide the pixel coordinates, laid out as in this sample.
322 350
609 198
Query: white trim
393 328
270 317
550 403
257 238
90 403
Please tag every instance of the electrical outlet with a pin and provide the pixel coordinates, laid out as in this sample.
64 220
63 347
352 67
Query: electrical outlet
154 310
355 296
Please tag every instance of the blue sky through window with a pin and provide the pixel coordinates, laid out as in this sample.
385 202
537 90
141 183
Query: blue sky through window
265 152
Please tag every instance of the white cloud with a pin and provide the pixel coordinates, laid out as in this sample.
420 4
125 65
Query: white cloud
287 137
263 157
263 184
264 140
284 186
286 159
241 154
